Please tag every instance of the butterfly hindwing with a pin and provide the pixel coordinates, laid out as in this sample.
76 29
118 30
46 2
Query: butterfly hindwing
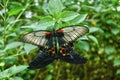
40 61
74 58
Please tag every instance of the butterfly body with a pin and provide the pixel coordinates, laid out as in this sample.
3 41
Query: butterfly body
55 44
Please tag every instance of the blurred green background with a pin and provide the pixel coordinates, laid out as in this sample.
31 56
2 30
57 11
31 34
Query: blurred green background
101 46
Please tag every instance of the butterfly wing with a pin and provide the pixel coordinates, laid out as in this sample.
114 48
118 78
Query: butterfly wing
66 37
40 61
74 58
39 38
44 38
70 34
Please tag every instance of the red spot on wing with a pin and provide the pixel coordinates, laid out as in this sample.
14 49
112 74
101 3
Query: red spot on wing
60 31
47 33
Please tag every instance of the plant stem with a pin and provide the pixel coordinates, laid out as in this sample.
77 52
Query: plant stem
5 4
17 19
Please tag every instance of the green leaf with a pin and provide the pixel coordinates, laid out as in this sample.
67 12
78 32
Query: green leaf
15 11
46 22
17 69
110 57
110 21
117 62
93 38
115 31
54 7
43 24
118 72
2 64
12 34
50 67
78 19
12 45
29 47
11 71
109 49
82 45
17 78
68 15
48 77
93 29
10 59
1 28
75 7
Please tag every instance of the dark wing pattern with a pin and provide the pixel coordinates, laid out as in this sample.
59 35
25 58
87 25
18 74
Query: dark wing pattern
72 33
41 60
66 37
40 38
37 38
74 58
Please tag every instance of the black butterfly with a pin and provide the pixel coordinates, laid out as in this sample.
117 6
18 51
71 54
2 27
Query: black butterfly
57 44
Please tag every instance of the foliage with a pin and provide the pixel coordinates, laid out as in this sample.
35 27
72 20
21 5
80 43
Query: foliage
100 46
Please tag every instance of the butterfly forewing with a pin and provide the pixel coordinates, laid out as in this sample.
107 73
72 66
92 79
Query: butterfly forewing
37 37
72 33
68 34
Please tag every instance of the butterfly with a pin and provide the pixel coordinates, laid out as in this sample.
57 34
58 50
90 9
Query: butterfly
56 44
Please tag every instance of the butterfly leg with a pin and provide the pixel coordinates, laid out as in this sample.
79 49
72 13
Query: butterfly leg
40 61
